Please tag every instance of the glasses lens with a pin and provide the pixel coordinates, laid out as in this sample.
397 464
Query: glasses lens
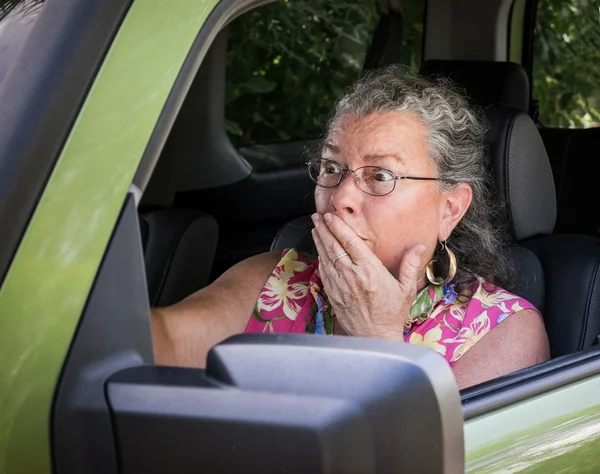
376 181
325 173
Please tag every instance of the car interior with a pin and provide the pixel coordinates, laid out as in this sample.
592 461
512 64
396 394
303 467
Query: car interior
219 195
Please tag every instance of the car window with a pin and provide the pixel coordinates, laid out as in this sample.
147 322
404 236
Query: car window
16 19
289 61
565 66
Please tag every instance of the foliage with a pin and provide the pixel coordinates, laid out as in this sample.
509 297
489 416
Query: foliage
566 76
290 61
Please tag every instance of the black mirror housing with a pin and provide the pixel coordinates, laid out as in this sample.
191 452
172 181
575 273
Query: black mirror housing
294 404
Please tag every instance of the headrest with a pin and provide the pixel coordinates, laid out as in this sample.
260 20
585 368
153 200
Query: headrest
522 172
485 82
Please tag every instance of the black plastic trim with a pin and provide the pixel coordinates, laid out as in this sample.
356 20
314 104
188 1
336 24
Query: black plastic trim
509 29
527 55
314 404
529 37
40 98
424 36
223 13
530 382
113 334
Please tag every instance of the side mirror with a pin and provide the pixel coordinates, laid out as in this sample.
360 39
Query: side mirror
294 404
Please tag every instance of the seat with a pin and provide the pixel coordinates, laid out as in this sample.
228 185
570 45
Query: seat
506 83
179 249
485 82
503 83
574 153
557 273
570 262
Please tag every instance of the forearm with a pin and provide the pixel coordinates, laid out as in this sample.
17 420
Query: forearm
183 335
164 338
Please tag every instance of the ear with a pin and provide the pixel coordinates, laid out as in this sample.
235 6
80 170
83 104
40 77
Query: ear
454 205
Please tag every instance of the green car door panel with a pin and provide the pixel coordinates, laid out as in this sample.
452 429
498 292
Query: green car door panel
42 94
48 283
110 133
553 432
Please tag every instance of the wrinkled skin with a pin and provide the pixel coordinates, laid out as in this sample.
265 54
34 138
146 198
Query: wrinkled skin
389 239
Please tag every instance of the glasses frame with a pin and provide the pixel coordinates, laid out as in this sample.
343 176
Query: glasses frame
345 172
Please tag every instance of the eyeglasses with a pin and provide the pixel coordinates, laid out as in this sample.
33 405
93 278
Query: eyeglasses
371 180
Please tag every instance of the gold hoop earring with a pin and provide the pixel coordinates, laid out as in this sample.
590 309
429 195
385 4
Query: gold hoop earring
451 268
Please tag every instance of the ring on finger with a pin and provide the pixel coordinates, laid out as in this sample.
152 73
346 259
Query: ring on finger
338 257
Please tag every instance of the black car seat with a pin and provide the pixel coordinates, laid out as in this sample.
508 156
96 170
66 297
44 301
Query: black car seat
570 150
485 82
179 249
570 263
557 273
574 152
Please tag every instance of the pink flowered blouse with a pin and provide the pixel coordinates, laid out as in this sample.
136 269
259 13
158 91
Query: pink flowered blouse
293 301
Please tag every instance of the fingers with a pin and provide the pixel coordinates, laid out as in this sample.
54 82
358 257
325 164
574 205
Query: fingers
326 272
410 268
323 257
327 245
325 262
338 237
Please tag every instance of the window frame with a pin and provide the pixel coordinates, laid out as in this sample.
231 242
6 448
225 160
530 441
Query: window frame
574 370
66 32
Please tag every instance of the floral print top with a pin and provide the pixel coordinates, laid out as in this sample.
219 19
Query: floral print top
293 300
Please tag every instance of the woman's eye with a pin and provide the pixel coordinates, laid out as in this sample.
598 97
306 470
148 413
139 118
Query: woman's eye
382 175
331 168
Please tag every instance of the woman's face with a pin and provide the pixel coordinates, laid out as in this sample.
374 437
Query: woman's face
416 212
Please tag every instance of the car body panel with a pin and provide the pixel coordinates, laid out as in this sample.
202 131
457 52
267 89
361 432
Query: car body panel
50 277
48 283
552 432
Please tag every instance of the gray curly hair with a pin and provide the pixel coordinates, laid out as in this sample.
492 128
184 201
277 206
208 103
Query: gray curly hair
458 153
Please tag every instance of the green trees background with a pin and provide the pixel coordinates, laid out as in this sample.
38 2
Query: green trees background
566 74
289 61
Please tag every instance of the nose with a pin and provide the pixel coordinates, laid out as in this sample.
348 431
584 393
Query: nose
346 197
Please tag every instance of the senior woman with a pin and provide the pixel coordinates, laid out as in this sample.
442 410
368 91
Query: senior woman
406 243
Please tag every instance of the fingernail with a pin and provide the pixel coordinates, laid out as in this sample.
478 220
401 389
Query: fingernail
315 217
328 218
420 250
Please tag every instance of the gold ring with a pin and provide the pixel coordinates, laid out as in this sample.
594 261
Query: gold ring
338 257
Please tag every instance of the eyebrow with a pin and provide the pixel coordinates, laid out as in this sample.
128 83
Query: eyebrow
332 148
370 157
382 156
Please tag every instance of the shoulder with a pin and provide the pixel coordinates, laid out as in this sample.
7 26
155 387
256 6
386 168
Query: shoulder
474 315
519 341
500 332
496 301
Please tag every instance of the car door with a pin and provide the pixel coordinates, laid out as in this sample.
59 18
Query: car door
543 419
75 337
75 341
79 104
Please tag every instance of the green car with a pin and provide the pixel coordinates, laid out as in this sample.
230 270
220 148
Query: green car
148 145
